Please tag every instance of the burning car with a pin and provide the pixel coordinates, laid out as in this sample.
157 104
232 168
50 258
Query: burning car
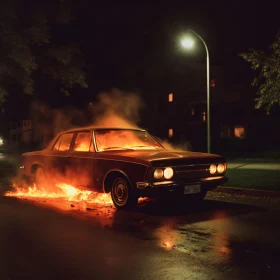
128 163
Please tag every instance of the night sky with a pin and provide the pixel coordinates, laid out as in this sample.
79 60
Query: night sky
121 38
132 45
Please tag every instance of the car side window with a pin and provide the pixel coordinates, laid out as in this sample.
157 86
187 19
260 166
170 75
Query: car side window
56 146
64 142
82 142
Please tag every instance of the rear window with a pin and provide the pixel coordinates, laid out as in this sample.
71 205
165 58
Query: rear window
64 142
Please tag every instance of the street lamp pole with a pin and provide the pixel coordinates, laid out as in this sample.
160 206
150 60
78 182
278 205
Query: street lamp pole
208 91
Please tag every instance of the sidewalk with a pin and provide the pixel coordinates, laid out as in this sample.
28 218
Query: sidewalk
263 165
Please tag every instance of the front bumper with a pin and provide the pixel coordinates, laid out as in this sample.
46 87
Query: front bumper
155 189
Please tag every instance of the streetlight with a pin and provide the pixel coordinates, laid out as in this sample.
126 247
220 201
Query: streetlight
188 43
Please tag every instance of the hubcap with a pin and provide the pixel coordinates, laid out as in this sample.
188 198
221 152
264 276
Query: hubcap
120 193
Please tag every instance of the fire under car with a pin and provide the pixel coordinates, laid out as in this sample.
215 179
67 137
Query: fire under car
128 163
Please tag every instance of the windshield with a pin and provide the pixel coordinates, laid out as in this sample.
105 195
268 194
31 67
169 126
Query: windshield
123 139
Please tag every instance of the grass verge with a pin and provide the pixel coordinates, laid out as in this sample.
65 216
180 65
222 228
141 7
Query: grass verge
260 179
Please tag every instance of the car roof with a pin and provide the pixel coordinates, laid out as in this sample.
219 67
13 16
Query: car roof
52 142
99 128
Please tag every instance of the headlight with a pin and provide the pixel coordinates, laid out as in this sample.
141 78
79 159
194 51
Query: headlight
168 173
221 168
213 168
158 173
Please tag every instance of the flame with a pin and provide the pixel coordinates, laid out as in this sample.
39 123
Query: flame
83 147
64 191
82 142
168 245
126 139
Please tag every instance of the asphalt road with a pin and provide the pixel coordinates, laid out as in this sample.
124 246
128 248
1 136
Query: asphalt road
227 237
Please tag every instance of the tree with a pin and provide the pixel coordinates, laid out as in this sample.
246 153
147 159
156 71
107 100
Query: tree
267 80
29 44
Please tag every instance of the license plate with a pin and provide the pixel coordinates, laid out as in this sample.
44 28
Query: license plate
192 189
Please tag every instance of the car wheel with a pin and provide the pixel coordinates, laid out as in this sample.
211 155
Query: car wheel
40 179
122 194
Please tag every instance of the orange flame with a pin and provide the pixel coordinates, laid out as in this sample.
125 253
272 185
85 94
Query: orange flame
65 191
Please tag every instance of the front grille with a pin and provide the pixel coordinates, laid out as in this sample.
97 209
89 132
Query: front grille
192 171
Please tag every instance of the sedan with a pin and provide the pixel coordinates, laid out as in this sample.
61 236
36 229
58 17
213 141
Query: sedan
128 163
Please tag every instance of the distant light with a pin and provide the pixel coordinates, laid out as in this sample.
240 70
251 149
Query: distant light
170 97
193 111
187 43
204 116
1 141
170 132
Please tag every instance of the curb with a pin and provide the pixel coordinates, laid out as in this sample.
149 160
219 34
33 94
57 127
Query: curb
255 160
249 192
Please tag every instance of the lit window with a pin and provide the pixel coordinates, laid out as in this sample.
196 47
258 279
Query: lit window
193 111
239 131
170 132
170 97
204 116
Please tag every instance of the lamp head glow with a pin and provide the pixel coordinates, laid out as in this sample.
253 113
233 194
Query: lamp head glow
187 43
1 141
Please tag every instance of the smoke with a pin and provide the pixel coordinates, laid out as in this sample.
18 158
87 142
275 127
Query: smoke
183 146
117 109
114 108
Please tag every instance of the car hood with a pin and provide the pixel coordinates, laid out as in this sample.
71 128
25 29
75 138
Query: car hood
165 157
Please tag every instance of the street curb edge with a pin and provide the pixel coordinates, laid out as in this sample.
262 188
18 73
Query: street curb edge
249 192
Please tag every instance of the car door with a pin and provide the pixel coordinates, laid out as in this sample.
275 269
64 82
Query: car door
61 158
82 159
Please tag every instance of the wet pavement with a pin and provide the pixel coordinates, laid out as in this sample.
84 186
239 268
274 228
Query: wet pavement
226 237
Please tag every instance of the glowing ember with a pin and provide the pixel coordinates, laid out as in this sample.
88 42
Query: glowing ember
168 245
65 191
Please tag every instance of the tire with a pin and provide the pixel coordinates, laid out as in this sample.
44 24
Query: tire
122 194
